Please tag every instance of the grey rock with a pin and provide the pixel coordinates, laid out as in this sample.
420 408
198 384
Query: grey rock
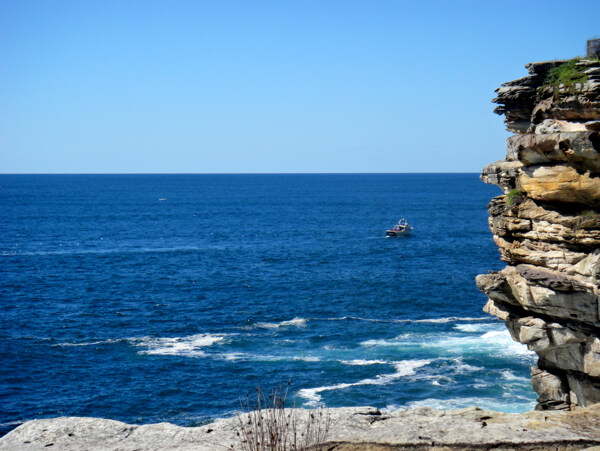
362 428
502 174
580 150
553 390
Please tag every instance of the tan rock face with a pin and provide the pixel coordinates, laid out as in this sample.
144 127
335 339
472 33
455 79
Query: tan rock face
547 228
560 184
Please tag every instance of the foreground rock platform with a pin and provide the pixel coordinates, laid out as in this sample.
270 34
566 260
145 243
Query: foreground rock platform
352 429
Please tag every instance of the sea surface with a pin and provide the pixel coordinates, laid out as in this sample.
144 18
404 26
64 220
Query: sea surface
147 298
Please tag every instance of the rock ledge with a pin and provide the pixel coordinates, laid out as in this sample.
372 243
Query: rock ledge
352 429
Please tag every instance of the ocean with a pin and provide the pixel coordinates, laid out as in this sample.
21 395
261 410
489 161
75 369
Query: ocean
148 298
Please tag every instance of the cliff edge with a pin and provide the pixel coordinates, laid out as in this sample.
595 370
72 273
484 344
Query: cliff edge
547 227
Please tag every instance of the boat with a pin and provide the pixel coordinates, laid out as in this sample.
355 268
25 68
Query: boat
400 229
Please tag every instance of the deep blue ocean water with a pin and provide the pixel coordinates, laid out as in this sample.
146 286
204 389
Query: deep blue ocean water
147 298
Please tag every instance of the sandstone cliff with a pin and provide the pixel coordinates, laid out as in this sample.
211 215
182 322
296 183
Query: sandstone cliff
547 226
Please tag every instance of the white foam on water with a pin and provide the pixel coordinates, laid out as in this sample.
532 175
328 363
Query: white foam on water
510 376
297 322
493 343
495 333
403 369
403 339
473 327
277 358
359 362
233 356
308 359
449 319
461 368
189 346
90 343
13 423
497 341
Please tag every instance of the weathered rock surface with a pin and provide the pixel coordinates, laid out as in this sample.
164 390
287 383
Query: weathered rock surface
526 102
362 428
580 150
560 183
547 227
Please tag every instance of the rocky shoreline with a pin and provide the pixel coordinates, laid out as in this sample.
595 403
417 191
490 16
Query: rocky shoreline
547 227
352 429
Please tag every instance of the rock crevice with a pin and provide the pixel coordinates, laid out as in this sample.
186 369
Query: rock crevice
547 228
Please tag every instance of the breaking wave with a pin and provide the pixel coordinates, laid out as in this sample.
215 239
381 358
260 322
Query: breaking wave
495 341
296 322
405 368
190 346
359 362
449 319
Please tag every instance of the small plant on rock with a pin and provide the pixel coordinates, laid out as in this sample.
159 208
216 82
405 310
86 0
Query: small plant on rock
513 196
267 425
566 77
588 214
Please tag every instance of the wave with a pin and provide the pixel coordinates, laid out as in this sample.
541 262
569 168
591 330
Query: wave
263 358
13 423
90 343
189 346
141 250
403 369
301 322
448 319
497 341
296 322
460 367
232 356
510 376
359 362
283 358
474 328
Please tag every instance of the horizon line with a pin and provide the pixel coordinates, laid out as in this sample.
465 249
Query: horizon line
231 173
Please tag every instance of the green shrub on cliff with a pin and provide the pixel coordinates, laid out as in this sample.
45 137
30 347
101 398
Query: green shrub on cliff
566 74
512 196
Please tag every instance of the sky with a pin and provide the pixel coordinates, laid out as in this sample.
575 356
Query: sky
241 86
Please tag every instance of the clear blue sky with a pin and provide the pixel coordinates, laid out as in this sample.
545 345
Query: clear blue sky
268 86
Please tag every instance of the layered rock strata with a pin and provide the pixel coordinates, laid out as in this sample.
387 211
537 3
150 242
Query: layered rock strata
547 227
